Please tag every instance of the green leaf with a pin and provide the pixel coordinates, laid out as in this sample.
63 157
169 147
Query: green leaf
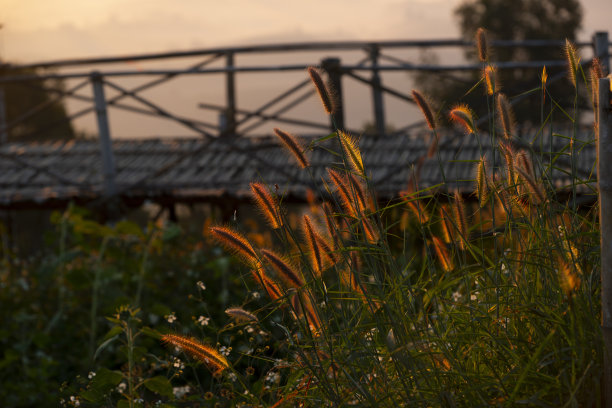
159 385
147 331
123 404
115 330
104 345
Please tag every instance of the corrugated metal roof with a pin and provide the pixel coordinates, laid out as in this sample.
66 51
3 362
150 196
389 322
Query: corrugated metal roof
201 169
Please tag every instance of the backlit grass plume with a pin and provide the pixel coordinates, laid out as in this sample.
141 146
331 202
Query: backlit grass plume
344 190
460 219
235 242
294 147
442 254
573 61
425 108
322 90
286 272
482 44
464 117
316 255
267 204
351 149
505 114
240 314
482 188
201 352
268 284
490 78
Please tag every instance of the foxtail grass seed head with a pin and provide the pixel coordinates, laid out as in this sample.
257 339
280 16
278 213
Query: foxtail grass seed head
490 78
570 281
322 90
460 219
537 194
294 147
524 162
266 204
425 108
505 114
271 288
234 241
359 190
442 254
573 61
313 245
482 187
351 149
240 314
464 117
482 44
283 268
597 68
508 154
544 79
206 354
344 190
446 226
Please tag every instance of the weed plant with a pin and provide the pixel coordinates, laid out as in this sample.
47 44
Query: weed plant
497 306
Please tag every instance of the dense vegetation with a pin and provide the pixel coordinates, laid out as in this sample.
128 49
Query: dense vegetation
429 300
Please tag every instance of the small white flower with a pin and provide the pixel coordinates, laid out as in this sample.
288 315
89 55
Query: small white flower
179 392
457 296
178 363
201 285
255 295
121 387
91 374
232 377
75 401
225 350
171 318
203 320
272 377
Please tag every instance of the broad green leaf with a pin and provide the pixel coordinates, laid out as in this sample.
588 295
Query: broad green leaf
159 385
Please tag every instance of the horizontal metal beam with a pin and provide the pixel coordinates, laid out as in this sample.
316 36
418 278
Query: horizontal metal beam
298 67
305 46
266 117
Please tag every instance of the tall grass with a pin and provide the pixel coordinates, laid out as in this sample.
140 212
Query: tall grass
495 304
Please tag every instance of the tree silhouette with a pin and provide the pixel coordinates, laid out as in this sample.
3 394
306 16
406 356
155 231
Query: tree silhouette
32 112
510 20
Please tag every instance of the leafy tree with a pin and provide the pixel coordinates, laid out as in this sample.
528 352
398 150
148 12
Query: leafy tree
510 20
49 118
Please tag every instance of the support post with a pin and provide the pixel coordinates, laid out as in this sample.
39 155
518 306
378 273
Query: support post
377 96
601 42
3 122
334 72
230 95
604 174
108 161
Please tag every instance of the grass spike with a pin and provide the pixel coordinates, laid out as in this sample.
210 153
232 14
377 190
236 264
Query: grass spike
266 204
294 147
206 354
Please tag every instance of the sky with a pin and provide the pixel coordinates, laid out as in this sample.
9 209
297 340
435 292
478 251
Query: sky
41 30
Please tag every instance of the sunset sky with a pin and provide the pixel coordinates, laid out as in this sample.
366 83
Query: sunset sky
40 30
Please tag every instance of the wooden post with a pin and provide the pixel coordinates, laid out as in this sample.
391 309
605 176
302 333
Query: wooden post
604 173
106 150
3 122
334 72
600 45
230 95
377 96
